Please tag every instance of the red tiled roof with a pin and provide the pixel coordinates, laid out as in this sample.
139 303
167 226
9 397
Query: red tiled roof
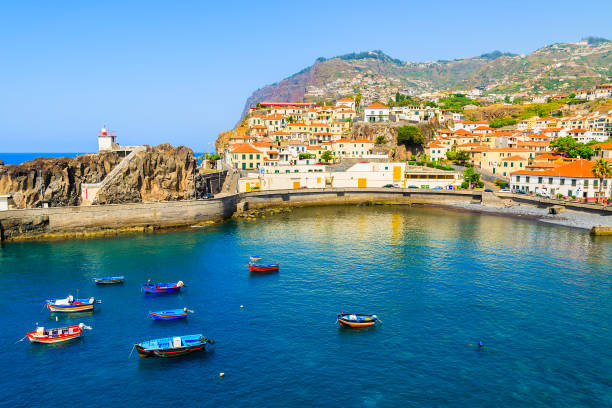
244 148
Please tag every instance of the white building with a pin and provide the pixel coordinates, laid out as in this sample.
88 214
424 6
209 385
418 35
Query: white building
572 179
376 112
4 201
107 140
363 175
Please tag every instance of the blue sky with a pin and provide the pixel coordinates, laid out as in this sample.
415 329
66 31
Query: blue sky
180 72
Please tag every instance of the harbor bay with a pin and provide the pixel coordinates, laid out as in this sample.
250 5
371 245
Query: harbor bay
535 295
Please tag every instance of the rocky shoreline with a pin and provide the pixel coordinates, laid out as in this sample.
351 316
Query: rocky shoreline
567 218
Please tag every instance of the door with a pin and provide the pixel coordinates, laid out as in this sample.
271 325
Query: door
397 173
296 185
362 183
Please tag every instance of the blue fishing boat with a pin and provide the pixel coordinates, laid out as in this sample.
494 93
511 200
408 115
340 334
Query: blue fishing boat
109 280
172 346
171 314
357 320
162 287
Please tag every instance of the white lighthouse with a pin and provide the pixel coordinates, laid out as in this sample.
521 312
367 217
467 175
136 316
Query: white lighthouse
107 140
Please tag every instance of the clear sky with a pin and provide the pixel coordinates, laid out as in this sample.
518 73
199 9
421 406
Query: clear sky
180 72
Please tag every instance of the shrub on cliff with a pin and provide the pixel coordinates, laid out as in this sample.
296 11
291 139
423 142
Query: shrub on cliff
410 136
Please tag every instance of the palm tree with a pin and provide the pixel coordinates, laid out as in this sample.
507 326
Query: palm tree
358 101
601 169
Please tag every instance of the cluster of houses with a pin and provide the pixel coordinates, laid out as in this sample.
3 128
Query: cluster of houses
524 156
293 134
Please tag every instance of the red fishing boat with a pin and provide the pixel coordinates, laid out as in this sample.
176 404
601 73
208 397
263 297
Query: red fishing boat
58 335
257 267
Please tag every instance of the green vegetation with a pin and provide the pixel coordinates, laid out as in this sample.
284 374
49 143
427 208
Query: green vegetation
457 102
327 156
461 156
569 147
213 157
501 122
595 40
403 100
303 156
601 169
410 136
472 178
380 140
501 183
496 54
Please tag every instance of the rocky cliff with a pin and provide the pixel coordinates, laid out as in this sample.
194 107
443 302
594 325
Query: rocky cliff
371 131
59 179
160 173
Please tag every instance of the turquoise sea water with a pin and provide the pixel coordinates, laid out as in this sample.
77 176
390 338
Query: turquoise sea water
538 297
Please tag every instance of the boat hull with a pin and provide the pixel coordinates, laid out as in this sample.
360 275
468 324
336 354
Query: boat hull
355 324
108 281
70 309
35 337
168 353
162 287
356 321
159 316
262 268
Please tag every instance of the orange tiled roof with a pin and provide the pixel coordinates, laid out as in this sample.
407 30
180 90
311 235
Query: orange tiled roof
244 148
578 169
377 105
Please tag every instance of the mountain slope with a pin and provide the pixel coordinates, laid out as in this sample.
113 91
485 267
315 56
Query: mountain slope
556 67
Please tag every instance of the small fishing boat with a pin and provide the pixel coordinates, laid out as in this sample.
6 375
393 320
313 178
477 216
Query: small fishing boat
255 258
172 346
357 320
108 280
171 314
257 267
162 287
58 335
71 305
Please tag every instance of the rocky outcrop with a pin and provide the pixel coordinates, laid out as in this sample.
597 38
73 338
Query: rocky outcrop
1 162
160 173
56 181
371 131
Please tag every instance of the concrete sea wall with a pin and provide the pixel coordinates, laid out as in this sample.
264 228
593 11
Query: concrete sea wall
59 222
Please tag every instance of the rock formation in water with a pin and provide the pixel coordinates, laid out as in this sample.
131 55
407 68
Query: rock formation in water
158 173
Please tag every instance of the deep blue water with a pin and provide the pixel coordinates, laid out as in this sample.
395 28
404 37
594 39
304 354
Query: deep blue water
18 158
538 296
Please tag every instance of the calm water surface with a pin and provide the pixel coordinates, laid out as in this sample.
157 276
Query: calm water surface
538 296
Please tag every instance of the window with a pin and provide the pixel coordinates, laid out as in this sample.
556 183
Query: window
539 180
243 156
257 156
573 182
595 183
550 180
518 179
562 182
586 183
527 179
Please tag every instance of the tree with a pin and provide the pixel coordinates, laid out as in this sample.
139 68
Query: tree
380 140
569 147
258 105
358 98
471 177
327 156
463 156
410 136
451 155
303 156
601 169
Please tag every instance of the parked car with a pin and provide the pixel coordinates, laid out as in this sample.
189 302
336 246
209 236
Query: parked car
388 186
437 188
520 192
488 190
412 187
505 190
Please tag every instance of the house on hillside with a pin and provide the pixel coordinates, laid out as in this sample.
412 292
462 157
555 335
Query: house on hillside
376 112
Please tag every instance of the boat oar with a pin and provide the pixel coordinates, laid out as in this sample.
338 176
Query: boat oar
20 340
133 347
